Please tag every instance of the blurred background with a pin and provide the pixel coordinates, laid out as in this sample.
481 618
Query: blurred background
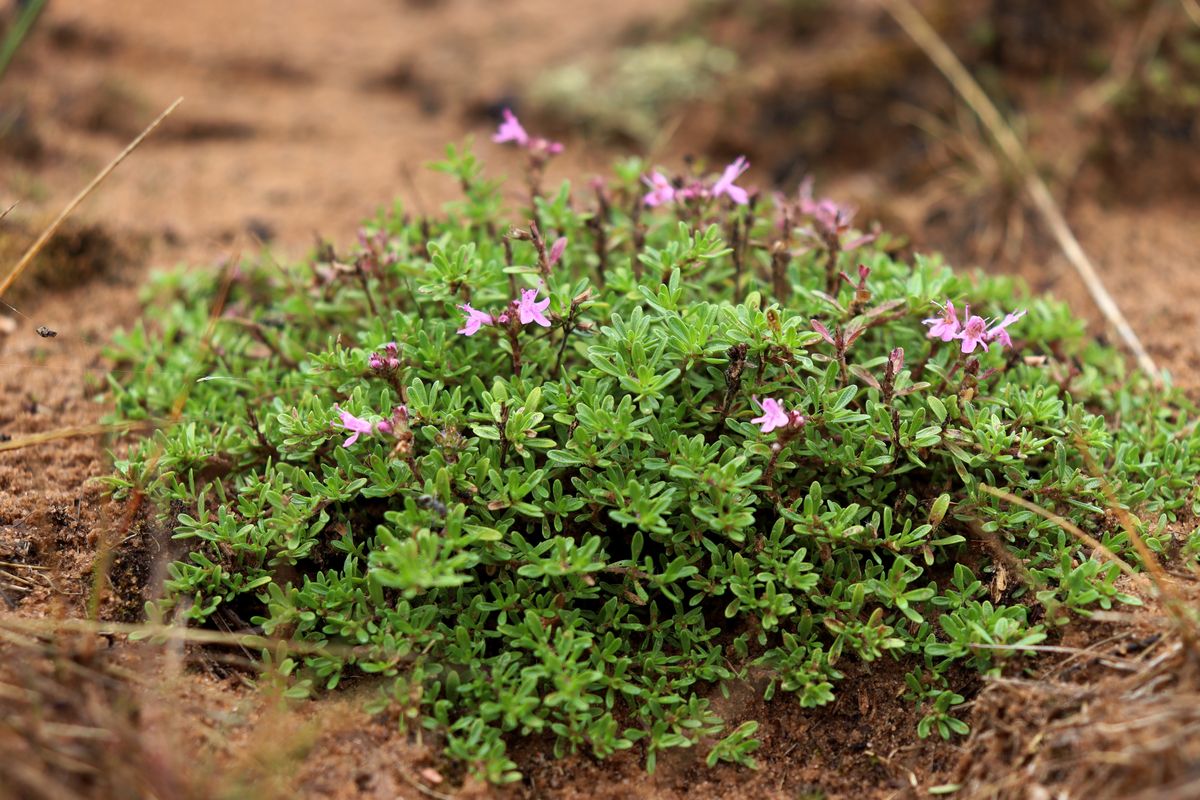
304 116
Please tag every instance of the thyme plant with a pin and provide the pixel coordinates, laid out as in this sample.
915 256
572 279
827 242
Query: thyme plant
572 469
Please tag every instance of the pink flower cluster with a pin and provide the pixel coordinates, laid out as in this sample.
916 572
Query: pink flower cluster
388 360
975 332
526 309
774 416
827 213
830 219
556 251
361 427
663 191
511 130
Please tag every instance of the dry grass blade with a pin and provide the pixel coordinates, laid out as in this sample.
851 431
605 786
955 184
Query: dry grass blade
160 632
1072 529
76 432
71 725
36 247
1175 604
1080 732
1193 10
973 94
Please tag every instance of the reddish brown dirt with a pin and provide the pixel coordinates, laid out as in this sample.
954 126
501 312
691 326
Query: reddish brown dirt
299 120
294 120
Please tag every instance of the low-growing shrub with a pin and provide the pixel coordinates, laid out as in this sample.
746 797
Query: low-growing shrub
573 478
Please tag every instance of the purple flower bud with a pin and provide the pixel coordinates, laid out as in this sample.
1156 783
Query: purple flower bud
556 250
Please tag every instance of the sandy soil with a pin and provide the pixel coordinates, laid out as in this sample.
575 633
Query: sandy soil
295 119
300 119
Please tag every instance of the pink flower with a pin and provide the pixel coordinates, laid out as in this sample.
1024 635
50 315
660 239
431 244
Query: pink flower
475 320
556 250
945 327
356 426
831 219
725 185
974 332
510 130
773 416
828 214
375 361
529 310
998 333
661 190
